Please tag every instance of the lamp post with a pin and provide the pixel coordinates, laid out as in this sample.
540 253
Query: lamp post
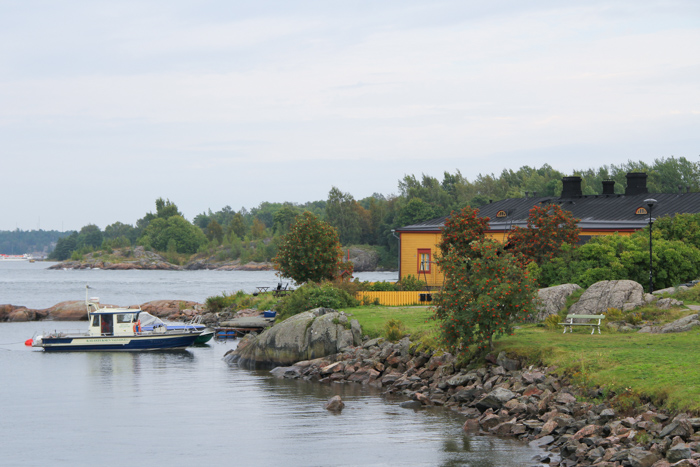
650 202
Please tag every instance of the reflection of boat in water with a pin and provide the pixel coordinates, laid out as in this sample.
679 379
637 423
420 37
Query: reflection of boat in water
150 323
118 329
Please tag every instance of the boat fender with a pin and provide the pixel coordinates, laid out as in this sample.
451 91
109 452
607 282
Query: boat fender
29 342
137 327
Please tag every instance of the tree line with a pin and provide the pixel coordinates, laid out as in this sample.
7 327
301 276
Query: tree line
254 235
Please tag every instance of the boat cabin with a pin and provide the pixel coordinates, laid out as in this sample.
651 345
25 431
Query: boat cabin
112 321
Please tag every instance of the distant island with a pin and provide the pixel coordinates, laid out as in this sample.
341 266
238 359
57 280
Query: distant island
140 258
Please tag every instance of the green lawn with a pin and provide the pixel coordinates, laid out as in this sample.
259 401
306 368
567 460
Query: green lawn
662 367
416 319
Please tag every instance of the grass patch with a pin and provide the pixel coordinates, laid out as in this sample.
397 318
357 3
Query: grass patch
661 367
373 318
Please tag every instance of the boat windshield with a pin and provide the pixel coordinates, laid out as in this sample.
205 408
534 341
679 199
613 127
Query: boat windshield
148 319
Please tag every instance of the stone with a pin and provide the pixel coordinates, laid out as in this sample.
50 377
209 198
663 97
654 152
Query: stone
305 336
551 300
495 399
74 310
460 379
334 404
638 457
471 424
507 363
415 405
289 372
533 377
586 431
680 428
489 421
608 294
606 415
681 325
549 426
679 452
666 303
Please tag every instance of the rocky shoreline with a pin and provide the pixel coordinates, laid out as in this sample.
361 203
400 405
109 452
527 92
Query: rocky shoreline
75 310
141 259
574 426
138 258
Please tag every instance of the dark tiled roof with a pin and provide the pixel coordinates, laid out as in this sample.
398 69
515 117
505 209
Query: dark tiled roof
594 211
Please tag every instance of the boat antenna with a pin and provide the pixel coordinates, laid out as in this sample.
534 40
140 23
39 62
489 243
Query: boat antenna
87 302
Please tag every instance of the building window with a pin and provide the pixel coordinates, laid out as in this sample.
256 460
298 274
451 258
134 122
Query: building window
641 211
423 261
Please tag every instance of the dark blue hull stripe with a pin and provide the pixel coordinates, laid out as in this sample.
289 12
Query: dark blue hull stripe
53 344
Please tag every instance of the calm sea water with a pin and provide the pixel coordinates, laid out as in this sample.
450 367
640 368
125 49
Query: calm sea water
36 287
190 408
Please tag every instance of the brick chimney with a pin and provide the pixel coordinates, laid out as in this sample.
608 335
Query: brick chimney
636 183
571 188
608 187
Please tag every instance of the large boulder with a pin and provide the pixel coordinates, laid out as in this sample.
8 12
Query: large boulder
551 300
622 294
72 310
306 336
363 259
169 309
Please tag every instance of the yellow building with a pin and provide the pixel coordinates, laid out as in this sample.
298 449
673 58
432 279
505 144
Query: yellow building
602 214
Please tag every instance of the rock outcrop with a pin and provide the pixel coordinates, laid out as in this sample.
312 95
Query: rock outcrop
551 300
363 259
623 294
72 310
171 309
13 313
312 334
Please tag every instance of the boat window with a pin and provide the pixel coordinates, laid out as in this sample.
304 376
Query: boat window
96 320
124 318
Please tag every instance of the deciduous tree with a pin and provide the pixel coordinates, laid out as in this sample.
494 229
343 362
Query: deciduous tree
311 251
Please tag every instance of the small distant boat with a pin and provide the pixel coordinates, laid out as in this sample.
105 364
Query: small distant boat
115 329
24 257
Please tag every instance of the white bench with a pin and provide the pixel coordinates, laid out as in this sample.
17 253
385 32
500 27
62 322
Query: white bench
569 322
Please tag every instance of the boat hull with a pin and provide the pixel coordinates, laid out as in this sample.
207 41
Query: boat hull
118 343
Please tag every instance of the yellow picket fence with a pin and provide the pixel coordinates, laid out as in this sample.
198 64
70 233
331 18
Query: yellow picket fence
396 298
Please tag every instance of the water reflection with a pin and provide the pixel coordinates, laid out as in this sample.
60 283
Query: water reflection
192 408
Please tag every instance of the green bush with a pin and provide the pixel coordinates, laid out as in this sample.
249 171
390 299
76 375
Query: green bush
411 283
551 322
313 295
394 330
381 287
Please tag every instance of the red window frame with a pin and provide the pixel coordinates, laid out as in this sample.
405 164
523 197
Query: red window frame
421 252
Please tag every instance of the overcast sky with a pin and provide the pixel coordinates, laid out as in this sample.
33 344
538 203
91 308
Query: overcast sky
107 105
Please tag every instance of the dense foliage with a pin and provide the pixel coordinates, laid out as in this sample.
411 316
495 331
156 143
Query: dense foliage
548 229
484 296
19 242
486 289
615 257
310 252
313 295
253 235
